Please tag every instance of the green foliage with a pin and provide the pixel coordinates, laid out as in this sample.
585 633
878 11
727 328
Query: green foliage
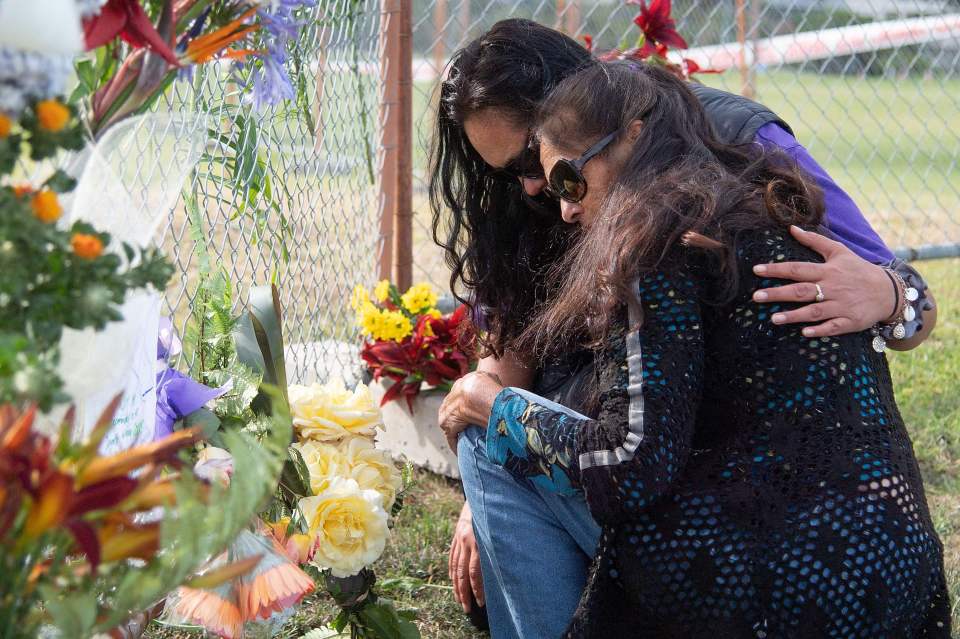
46 285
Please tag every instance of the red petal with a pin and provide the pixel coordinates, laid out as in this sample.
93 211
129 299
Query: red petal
141 32
86 538
105 494
105 26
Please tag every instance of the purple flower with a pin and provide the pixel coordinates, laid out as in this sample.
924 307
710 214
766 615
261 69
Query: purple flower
271 82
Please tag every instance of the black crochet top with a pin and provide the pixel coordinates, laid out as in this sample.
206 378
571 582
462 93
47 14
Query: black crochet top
750 482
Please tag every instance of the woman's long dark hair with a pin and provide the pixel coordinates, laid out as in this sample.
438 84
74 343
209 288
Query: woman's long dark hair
499 243
680 185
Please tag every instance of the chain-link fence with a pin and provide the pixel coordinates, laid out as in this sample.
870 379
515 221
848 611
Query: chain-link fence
870 87
288 195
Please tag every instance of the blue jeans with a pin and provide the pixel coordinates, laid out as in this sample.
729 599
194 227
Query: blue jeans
535 546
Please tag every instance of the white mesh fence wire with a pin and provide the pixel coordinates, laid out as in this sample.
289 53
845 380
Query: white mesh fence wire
870 87
288 195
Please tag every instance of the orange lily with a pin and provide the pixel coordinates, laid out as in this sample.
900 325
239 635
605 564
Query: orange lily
51 506
152 494
102 468
125 540
203 48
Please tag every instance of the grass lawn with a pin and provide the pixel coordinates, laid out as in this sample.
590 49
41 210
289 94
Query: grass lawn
926 379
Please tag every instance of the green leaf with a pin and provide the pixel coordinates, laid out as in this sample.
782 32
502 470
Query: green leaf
248 346
382 618
60 182
205 419
264 307
78 612
296 476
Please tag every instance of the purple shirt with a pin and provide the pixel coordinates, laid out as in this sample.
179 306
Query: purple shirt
843 217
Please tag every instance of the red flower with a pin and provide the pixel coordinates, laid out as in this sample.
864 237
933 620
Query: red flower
438 352
127 19
690 67
658 27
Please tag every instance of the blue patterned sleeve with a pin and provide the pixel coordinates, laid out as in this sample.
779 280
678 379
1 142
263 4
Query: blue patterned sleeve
649 393
535 438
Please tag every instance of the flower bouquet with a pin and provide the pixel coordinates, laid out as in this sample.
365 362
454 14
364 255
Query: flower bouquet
409 342
329 518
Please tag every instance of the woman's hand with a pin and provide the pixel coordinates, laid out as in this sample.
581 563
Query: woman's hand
468 403
856 293
464 565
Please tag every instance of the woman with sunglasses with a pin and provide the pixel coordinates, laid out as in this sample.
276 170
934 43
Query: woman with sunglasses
749 481
502 235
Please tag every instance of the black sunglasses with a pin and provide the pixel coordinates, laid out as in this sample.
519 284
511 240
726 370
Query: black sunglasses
566 180
525 165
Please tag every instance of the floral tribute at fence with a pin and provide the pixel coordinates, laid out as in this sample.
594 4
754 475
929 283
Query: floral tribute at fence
658 33
222 514
409 341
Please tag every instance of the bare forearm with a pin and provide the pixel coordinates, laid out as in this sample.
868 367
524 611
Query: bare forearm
509 368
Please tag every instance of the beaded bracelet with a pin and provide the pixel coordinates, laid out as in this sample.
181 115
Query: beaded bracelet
911 302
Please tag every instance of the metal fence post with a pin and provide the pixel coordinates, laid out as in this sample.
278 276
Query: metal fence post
396 190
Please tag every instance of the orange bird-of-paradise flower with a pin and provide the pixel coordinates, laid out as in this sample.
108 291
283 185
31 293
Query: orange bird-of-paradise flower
204 48
657 25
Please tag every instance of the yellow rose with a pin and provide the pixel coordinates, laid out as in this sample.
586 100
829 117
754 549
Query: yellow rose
324 462
330 412
349 525
371 468
382 290
419 298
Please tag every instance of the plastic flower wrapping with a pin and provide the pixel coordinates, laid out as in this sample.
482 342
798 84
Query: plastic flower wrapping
409 342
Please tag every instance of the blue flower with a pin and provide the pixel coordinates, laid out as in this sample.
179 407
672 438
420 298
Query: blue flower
270 81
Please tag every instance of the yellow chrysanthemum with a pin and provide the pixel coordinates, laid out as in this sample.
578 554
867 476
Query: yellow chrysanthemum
360 295
395 326
52 115
383 325
5 126
419 298
382 290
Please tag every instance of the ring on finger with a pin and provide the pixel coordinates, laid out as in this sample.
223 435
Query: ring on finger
819 296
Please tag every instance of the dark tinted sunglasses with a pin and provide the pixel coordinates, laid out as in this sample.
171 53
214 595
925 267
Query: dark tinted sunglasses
525 165
566 180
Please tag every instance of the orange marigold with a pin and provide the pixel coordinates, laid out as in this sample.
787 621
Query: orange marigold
5 125
46 206
52 115
22 189
86 246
